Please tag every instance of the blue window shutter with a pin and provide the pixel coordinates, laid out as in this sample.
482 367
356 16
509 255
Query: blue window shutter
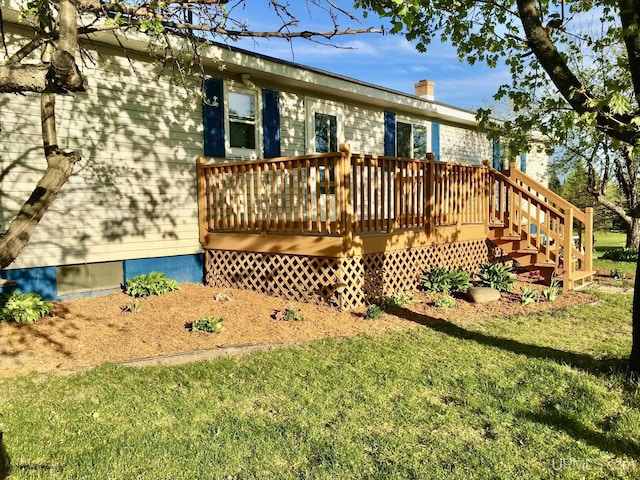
435 140
213 118
523 163
271 123
390 134
497 162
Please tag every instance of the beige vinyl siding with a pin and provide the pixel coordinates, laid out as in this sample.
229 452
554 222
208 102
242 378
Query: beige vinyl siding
463 145
133 195
364 129
292 124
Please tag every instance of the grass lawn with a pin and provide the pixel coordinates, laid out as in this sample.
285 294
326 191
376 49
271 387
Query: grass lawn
610 241
537 396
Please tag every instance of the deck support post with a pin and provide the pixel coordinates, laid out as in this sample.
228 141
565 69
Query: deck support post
567 248
588 241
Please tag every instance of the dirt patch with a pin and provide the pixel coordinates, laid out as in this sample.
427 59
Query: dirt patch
91 331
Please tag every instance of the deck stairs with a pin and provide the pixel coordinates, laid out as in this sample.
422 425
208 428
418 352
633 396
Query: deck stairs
539 229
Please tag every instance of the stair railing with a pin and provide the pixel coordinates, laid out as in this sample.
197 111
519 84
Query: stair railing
561 232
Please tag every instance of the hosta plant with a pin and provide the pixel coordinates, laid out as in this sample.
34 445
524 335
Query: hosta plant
497 275
155 283
207 324
459 281
436 280
443 279
22 307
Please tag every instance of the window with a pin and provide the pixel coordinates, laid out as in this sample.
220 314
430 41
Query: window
324 134
411 140
74 279
242 120
242 123
323 125
326 131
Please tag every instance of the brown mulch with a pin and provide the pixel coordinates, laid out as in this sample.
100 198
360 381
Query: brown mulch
91 331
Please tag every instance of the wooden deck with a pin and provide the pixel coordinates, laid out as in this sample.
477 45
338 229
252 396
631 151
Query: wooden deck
343 206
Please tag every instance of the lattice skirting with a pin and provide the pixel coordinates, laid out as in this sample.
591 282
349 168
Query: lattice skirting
313 279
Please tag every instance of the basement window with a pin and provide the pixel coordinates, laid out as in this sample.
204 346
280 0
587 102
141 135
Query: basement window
89 277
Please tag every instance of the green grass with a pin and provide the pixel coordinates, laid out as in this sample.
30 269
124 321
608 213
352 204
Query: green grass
608 241
536 396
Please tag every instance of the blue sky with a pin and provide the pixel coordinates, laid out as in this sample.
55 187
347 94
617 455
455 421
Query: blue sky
389 60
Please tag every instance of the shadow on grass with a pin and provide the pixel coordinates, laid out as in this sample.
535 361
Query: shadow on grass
576 360
549 416
555 420
5 462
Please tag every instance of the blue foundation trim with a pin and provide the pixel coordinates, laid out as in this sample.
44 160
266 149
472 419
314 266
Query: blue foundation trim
182 268
41 280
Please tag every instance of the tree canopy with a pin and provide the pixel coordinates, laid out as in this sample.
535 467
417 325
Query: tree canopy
559 54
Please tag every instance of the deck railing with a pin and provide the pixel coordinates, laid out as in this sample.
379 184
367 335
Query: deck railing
562 234
344 194
339 193
299 194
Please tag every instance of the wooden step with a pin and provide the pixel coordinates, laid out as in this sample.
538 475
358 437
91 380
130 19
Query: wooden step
545 264
527 251
510 238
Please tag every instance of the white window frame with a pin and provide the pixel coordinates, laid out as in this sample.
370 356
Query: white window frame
237 153
413 122
327 107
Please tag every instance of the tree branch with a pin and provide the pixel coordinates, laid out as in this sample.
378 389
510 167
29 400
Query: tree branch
43 77
614 207
574 92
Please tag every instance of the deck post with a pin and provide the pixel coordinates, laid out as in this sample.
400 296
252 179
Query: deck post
203 214
567 249
588 241
346 213
486 214
430 195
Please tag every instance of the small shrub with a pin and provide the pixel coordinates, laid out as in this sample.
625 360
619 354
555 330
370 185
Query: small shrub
398 300
289 314
446 301
373 312
552 292
621 255
443 279
529 295
132 307
155 283
617 273
207 324
497 275
22 307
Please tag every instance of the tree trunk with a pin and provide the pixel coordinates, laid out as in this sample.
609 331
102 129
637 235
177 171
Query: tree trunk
633 233
59 169
634 358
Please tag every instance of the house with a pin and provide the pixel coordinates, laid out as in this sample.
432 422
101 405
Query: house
308 183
